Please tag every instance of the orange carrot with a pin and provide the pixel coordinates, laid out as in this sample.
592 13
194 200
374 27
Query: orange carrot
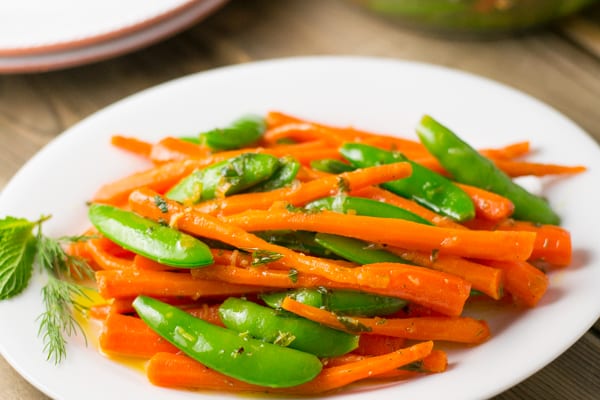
453 329
130 336
209 313
440 291
486 279
522 168
376 345
173 149
301 132
178 371
143 263
305 192
435 362
499 245
103 258
488 205
513 150
552 243
130 283
158 178
526 283
132 145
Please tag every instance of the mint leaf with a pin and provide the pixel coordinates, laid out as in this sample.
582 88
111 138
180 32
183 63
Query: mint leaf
17 252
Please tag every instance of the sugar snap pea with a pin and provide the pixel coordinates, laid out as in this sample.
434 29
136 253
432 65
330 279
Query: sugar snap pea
226 351
424 186
286 330
468 166
283 176
331 165
368 207
301 241
240 133
355 250
227 177
341 302
148 238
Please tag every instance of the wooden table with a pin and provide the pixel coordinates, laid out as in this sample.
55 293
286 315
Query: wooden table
559 66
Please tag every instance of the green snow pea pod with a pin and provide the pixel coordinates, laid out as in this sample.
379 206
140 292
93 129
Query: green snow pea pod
229 176
331 165
284 329
341 302
356 250
240 133
226 351
426 187
301 241
283 176
368 207
148 238
468 166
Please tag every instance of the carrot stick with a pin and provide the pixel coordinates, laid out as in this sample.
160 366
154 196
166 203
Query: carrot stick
143 263
306 192
552 243
522 168
499 245
376 345
132 145
173 149
526 283
130 336
130 283
209 313
488 205
301 132
158 178
179 371
453 329
483 278
104 259
435 362
513 150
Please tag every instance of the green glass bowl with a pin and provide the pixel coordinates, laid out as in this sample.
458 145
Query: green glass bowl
475 16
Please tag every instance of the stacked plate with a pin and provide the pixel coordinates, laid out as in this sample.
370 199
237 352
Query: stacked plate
41 35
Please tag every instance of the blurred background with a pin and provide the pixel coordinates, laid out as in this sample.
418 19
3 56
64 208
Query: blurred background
549 49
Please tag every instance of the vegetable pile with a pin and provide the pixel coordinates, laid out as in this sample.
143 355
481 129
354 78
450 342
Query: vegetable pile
283 255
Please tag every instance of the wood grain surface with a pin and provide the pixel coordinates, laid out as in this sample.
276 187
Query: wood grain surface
554 65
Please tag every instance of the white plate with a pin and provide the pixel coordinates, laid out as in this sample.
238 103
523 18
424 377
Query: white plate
382 95
57 57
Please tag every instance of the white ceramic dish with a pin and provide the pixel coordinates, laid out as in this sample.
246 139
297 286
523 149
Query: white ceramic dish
118 42
381 95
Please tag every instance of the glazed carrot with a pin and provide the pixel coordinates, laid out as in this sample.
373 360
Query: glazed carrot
439 291
132 145
209 313
523 281
158 178
552 243
453 329
301 132
179 371
103 258
130 283
522 168
305 192
486 279
173 149
435 362
500 245
508 152
376 345
129 336
488 205
143 263
200 224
